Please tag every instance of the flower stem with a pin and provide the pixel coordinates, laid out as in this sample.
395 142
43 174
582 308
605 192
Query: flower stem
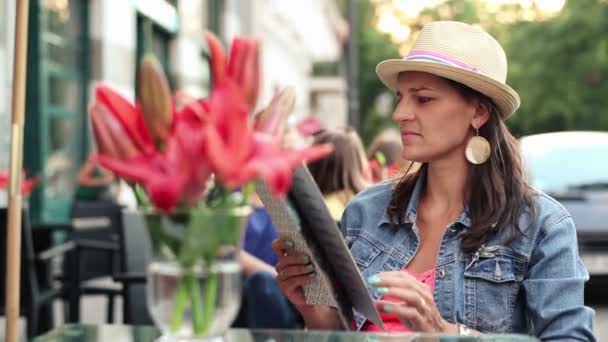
180 304
199 319
210 298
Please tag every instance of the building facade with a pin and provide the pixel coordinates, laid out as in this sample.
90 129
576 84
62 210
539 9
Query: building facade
76 44
296 36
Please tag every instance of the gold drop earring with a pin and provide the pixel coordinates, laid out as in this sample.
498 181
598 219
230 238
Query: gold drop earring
478 149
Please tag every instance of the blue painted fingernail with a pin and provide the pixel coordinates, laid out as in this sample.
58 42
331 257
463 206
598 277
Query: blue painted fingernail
381 290
310 266
305 258
312 275
387 308
373 280
289 243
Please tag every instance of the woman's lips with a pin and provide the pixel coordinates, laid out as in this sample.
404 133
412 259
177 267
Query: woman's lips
409 135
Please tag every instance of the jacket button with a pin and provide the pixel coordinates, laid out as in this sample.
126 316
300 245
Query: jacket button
441 273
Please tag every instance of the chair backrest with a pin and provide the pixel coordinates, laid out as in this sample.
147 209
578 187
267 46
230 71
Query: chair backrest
28 271
136 250
98 221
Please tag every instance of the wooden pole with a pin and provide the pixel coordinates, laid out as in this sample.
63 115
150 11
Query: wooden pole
13 239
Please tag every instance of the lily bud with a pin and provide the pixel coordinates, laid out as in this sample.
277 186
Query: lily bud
218 57
156 100
272 119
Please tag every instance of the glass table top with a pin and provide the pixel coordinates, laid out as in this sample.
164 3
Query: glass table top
123 333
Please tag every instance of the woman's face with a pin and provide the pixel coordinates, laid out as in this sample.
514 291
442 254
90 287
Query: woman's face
434 119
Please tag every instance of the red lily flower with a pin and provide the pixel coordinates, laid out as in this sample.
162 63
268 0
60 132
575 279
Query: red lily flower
174 174
242 68
275 164
118 126
27 185
272 119
227 133
238 154
218 57
177 174
207 136
111 136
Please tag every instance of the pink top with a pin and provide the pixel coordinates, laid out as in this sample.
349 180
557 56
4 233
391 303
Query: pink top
391 322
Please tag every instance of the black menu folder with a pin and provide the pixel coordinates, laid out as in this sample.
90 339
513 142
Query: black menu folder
304 218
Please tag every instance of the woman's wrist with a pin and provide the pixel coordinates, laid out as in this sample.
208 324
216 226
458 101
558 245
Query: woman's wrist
451 328
319 317
459 329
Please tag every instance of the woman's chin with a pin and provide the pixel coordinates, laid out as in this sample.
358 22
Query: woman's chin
413 157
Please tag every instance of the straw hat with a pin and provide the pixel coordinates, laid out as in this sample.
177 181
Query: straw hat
462 53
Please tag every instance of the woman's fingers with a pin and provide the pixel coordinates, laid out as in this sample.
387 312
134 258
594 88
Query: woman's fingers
409 297
413 304
401 280
409 316
282 246
292 260
292 288
400 277
294 271
291 265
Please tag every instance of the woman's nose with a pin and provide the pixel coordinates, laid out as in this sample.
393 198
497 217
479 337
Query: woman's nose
404 111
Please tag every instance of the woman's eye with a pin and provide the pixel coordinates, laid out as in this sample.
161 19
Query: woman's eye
423 99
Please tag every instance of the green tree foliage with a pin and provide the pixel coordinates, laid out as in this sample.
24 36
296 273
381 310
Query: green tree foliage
560 69
374 46
559 65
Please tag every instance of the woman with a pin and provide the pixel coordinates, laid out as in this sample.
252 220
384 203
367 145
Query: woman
463 245
341 174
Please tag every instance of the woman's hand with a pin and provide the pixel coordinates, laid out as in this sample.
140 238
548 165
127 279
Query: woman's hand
415 306
293 271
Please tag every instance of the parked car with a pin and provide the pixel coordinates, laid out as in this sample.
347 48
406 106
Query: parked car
572 167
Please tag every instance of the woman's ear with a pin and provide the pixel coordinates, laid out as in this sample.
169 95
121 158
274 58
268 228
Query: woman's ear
482 115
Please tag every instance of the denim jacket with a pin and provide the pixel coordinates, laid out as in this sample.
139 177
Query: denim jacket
532 286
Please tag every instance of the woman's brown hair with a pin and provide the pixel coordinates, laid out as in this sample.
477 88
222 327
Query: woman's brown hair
499 193
345 167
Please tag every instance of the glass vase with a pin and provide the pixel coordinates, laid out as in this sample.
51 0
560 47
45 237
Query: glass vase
194 281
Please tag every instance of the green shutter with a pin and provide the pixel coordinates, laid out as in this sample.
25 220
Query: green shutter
56 141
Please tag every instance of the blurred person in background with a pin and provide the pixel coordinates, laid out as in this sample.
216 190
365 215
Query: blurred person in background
343 173
260 232
93 184
263 306
384 155
464 245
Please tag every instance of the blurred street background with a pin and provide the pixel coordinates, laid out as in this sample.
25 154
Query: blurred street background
327 50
